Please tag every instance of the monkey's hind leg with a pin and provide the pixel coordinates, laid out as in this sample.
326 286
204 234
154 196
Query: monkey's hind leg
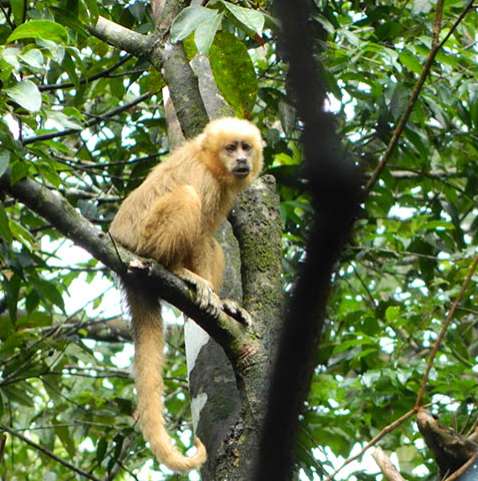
205 295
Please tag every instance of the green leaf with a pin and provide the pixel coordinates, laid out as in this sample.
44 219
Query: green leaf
22 234
19 171
234 72
33 58
392 313
4 161
10 55
251 19
101 449
65 437
18 394
48 291
26 94
44 29
18 10
5 231
410 61
57 52
92 7
399 100
188 20
35 319
205 33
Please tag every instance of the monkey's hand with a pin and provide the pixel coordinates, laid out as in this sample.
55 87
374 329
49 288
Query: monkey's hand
233 309
205 295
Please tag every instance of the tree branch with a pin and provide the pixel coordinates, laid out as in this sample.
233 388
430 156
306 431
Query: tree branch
167 58
90 123
183 86
387 429
388 469
103 73
164 12
228 332
118 36
450 449
48 453
441 335
416 91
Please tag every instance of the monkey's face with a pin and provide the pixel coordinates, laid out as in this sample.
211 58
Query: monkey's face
237 156
237 145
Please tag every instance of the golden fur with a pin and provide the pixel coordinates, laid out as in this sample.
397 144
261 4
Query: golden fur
172 217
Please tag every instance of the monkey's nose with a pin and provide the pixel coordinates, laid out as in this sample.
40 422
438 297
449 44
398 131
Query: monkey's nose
242 168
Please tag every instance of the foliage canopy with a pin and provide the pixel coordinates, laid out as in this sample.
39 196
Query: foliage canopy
87 120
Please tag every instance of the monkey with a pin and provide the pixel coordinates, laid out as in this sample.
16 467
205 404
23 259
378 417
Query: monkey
172 217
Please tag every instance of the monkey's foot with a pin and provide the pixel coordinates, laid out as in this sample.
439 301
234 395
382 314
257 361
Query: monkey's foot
205 295
233 309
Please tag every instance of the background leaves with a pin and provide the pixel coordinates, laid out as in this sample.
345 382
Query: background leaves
64 362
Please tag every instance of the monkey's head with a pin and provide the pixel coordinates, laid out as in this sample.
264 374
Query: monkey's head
234 147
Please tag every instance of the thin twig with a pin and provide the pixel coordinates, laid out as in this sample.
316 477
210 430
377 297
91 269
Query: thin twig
7 17
115 247
96 76
387 429
437 23
414 96
48 453
90 123
441 335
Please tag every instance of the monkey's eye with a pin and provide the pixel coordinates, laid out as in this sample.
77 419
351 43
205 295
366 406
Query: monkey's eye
230 147
246 147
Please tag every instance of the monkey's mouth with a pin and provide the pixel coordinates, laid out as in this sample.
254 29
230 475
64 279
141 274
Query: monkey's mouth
241 171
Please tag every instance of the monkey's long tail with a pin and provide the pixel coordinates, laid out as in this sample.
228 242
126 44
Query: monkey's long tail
149 361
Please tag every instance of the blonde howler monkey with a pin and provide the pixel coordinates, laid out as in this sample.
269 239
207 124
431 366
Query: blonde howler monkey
172 217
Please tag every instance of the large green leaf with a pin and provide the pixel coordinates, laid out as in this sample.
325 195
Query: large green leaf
205 33
26 94
18 10
44 29
189 19
252 19
234 72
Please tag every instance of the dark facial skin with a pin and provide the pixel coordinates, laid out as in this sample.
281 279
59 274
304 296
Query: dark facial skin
239 155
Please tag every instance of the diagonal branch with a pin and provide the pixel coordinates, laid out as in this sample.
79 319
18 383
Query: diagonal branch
387 429
444 328
167 58
48 453
228 332
92 122
103 73
389 471
121 37
436 47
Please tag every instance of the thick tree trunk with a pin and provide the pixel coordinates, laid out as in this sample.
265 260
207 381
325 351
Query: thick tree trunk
228 418
229 400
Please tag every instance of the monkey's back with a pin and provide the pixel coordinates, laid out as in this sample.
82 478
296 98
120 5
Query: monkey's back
180 168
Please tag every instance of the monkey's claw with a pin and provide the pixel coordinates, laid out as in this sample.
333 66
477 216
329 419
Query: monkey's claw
237 312
205 295
207 299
